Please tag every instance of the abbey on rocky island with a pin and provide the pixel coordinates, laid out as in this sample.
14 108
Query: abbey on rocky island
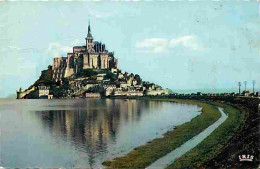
90 71
91 56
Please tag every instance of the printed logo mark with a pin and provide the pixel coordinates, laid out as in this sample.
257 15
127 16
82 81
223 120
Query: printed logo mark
246 157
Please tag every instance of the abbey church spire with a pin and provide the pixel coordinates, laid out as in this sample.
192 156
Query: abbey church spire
89 36
89 30
89 39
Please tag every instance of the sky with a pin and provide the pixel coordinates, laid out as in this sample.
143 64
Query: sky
180 45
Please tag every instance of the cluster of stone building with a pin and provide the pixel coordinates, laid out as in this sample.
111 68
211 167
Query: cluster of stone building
91 56
126 84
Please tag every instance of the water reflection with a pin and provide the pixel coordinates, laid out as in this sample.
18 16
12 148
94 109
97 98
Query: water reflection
85 132
93 128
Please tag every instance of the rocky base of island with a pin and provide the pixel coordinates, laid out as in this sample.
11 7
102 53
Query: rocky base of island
91 83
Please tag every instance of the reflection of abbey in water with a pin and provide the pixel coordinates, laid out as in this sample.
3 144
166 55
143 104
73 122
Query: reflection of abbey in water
92 130
91 56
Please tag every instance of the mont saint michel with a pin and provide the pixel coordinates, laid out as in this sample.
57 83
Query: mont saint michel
129 85
90 71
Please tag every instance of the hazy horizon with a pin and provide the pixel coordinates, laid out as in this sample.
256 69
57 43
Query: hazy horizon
183 46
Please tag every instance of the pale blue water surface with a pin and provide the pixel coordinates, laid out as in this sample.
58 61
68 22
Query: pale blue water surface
82 132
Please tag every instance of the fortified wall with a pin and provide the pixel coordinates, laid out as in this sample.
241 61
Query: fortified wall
21 94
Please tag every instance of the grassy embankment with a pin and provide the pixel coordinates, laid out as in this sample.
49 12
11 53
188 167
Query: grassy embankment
212 145
146 154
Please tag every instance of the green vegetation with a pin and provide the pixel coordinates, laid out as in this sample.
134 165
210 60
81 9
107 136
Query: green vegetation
45 78
212 145
109 75
60 90
146 154
86 73
138 79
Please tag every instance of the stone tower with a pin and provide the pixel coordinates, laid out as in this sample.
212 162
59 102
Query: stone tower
92 55
89 40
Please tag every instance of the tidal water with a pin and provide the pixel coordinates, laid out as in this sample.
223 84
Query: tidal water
82 132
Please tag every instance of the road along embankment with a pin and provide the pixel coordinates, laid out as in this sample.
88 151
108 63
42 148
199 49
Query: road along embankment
238 135
145 155
178 152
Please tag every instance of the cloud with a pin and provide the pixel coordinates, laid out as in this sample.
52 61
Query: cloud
57 50
53 49
75 42
160 45
186 41
153 45
15 48
10 48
